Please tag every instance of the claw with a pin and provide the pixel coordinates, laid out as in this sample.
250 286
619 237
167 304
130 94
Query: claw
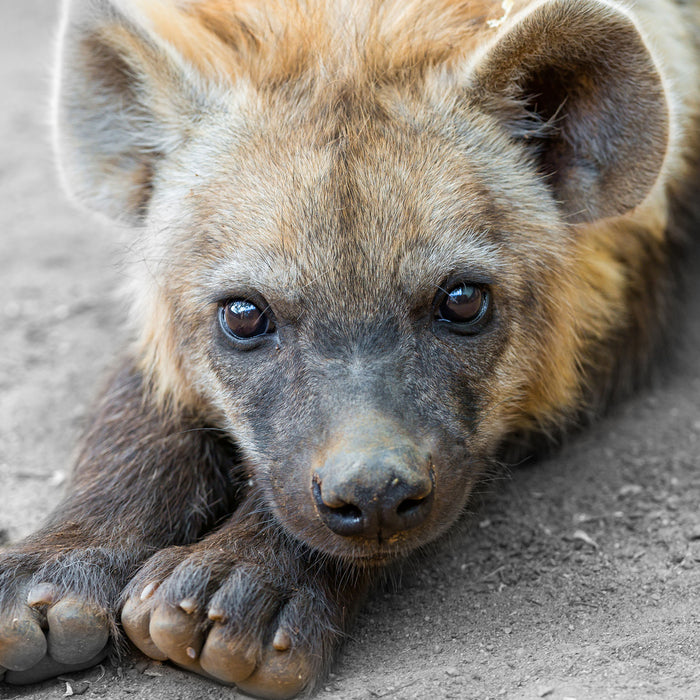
189 605
42 594
282 640
217 615
148 591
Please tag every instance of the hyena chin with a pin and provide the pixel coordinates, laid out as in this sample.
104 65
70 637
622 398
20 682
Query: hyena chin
383 239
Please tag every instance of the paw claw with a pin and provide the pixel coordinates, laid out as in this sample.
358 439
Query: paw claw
42 594
189 605
217 615
227 620
148 591
282 640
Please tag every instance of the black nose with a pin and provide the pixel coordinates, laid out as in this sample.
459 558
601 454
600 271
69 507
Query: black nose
395 507
373 479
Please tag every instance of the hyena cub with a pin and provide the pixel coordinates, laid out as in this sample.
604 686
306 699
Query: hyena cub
382 239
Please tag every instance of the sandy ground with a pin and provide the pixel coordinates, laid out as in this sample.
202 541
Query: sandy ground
577 577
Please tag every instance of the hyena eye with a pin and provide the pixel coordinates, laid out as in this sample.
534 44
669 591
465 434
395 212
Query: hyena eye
243 320
465 305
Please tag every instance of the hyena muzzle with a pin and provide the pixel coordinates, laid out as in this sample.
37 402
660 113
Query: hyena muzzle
376 243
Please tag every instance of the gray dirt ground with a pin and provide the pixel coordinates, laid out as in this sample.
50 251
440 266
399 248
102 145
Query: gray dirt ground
578 577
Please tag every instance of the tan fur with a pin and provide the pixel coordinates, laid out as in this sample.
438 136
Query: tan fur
291 46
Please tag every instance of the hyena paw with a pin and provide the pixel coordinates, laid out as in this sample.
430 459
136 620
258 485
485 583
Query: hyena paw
47 627
232 620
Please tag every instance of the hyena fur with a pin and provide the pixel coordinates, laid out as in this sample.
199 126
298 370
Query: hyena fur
383 241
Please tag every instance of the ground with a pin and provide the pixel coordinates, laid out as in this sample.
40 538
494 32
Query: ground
575 577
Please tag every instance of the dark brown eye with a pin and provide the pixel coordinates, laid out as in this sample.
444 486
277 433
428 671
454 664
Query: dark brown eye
465 304
244 320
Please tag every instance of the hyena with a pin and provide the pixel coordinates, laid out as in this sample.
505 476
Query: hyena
377 243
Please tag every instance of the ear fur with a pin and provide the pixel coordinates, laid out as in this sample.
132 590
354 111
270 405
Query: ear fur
575 80
128 91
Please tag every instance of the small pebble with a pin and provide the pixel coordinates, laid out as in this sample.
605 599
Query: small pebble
75 688
57 478
80 687
584 537
630 490
694 533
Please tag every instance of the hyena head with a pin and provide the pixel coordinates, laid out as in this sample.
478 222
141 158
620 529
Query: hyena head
360 225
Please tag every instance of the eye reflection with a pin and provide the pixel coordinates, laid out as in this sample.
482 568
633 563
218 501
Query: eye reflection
244 320
464 304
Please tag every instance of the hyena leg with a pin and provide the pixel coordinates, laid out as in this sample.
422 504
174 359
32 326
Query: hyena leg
146 478
246 606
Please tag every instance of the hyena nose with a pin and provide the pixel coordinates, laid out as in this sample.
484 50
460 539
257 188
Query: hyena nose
373 484
366 512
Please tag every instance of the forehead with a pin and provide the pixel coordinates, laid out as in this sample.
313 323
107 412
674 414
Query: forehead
400 197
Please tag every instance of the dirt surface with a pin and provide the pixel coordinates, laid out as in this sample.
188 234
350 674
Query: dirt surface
577 577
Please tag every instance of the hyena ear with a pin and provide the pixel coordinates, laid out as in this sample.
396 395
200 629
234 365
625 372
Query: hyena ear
576 81
130 86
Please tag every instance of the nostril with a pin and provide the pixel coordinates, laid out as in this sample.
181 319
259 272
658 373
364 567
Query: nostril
344 519
410 505
409 513
347 511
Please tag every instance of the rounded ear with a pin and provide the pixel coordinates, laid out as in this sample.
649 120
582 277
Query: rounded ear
130 85
575 81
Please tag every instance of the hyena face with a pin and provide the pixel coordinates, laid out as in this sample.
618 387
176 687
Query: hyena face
355 263
368 347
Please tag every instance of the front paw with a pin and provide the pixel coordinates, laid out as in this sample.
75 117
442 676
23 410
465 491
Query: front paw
49 623
267 627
